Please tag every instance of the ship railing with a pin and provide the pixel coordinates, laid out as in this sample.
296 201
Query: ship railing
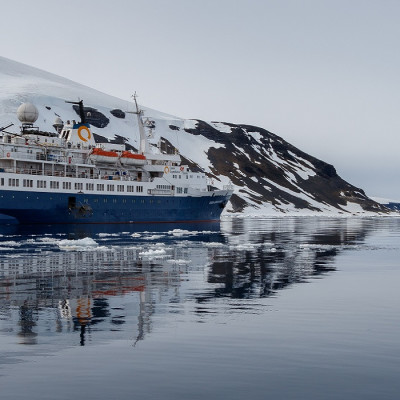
127 178
21 156
72 174
69 174
227 187
27 171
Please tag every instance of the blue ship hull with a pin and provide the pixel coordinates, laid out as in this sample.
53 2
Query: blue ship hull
63 208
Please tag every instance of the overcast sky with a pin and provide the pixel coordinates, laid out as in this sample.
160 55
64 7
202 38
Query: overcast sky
323 75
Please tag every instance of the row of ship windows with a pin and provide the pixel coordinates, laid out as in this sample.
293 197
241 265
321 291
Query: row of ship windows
100 187
68 185
124 201
187 176
164 187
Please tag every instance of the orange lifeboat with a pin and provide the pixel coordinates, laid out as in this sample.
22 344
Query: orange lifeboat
129 158
100 155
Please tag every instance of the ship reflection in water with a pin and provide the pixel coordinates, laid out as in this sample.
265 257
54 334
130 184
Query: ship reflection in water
96 284
299 308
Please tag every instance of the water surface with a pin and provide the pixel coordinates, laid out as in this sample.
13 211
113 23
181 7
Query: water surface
288 308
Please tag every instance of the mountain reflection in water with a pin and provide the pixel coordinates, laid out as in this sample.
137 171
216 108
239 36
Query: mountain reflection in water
91 284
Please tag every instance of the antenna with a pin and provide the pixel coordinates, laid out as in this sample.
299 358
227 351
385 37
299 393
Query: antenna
5 127
144 144
135 96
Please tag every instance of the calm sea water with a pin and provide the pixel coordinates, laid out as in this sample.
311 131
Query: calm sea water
280 308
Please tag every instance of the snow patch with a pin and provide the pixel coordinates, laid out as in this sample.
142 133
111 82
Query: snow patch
220 126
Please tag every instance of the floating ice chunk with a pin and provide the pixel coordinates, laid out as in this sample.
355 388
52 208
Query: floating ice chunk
245 246
154 237
10 243
179 261
180 232
213 244
150 252
49 240
77 245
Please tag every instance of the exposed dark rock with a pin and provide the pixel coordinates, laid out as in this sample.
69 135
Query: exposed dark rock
174 127
252 164
192 165
166 147
118 113
48 107
238 203
93 116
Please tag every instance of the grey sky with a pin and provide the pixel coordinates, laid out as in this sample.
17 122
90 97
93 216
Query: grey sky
324 75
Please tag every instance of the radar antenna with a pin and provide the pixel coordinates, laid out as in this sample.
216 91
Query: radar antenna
144 144
135 96
5 127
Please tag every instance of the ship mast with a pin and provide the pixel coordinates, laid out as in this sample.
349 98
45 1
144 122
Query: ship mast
144 144
81 109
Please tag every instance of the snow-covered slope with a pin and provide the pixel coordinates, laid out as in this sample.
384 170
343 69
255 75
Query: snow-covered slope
269 175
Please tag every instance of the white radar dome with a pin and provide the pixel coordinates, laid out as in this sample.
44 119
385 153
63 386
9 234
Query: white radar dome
58 122
27 113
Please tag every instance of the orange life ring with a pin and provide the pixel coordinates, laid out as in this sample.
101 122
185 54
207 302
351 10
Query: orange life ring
8 155
182 168
166 169
84 128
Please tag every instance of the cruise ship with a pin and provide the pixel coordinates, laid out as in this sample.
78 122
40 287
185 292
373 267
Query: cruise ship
67 177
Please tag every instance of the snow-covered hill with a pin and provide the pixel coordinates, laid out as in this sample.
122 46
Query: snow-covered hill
269 174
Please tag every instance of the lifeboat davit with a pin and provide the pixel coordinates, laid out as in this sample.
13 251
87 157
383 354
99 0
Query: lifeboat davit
103 156
129 158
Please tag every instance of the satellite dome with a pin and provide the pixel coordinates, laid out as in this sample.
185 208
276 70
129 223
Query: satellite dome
58 122
27 113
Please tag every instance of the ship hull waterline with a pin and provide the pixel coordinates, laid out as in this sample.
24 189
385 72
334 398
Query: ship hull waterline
83 208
